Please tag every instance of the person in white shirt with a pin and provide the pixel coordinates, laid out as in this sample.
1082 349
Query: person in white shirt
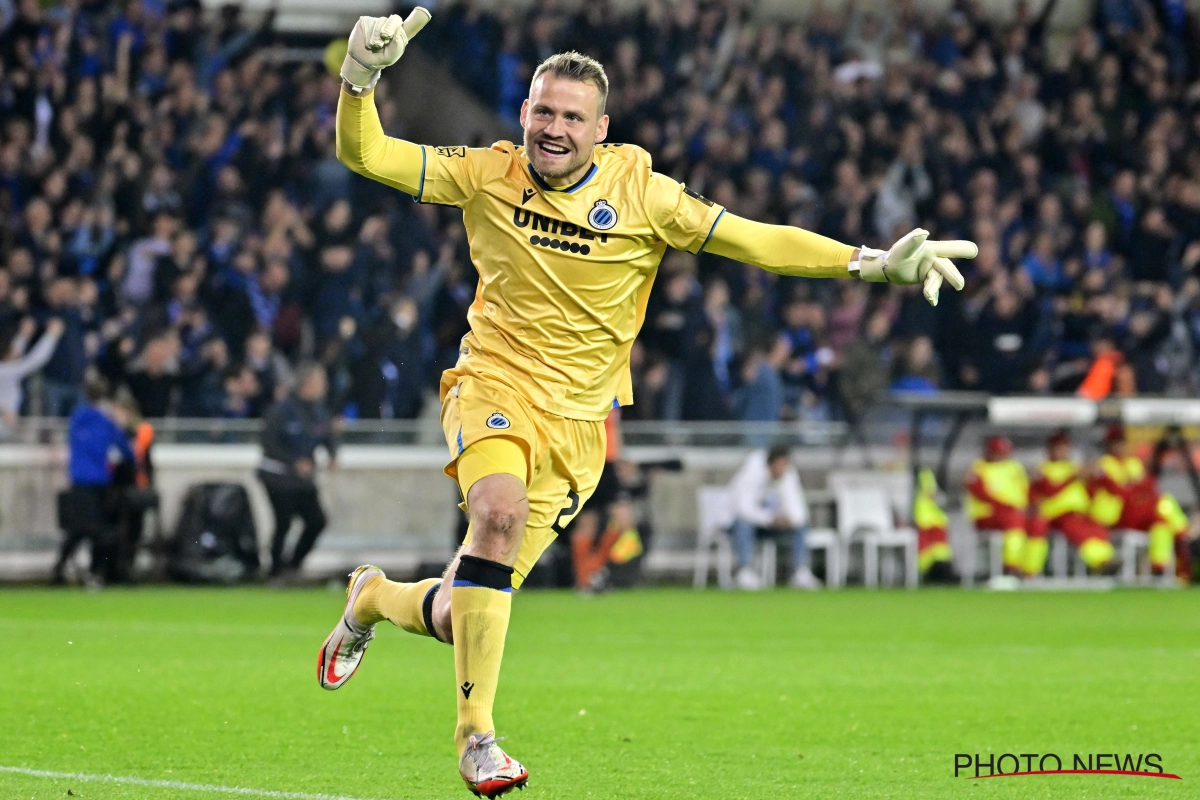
20 364
770 502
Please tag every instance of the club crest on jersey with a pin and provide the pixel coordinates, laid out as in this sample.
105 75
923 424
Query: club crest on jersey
498 421
602 217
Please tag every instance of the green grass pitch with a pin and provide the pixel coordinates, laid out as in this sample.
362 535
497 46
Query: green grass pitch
650 694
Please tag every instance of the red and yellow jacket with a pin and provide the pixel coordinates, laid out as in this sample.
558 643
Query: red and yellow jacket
1120 487
993 485
1059 489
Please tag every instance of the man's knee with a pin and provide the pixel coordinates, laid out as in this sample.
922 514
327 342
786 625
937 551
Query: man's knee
499 510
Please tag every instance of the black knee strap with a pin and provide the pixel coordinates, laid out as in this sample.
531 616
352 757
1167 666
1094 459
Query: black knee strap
481 572
427 611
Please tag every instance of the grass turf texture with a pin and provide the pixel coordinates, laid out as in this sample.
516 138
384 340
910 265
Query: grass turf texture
773 695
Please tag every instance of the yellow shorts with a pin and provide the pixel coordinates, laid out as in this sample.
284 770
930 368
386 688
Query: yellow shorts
564 457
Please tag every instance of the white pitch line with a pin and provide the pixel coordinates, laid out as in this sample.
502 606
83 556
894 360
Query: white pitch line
194 787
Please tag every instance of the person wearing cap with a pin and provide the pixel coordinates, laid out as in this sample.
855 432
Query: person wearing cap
1063 504
1125 496
997 495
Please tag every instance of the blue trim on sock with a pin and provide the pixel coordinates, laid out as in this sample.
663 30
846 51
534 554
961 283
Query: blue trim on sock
460 444
472 585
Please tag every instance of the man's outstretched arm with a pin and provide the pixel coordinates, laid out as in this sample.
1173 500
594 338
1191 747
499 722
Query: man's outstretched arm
780 248
376 43
793 251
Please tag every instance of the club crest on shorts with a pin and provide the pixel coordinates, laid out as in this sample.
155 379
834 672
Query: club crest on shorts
602 217
498 421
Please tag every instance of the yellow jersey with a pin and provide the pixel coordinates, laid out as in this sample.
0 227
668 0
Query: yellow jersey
564 273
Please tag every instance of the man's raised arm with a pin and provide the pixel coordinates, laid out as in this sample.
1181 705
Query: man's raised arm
793 251
376 43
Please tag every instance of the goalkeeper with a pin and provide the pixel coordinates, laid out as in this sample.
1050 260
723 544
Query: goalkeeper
566 232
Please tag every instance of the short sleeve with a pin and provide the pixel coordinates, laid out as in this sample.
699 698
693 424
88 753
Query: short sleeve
452 175
681 218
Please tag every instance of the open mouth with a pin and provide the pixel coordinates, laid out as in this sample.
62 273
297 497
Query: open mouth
553 150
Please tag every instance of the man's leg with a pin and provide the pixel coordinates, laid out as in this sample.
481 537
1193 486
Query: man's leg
282 508
1037 546
1089 537
481 597
472 605
308 506
743 543
799 548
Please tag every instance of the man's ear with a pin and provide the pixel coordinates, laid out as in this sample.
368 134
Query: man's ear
602 129
524 111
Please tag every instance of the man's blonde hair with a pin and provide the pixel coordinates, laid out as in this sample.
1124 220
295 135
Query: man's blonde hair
576 67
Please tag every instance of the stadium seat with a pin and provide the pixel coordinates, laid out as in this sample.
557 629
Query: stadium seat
1065 561
1133 544
828 540
714 507
865 516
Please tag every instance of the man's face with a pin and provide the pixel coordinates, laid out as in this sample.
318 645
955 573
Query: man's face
778 466
562 123
314 388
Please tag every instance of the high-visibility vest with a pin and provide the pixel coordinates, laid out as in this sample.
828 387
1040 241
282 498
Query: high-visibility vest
1124 472
1006 481
1072 496
926 512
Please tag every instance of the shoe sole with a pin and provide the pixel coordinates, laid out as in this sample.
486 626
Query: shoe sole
493 792
352 591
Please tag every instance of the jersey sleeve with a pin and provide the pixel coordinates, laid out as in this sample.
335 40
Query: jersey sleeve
680 217
452 175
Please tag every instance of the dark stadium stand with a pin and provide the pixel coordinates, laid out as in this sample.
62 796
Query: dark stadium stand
170 192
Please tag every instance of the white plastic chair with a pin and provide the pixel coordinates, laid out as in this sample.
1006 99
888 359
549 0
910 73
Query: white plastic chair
828 540
714 507
1065 560
865 516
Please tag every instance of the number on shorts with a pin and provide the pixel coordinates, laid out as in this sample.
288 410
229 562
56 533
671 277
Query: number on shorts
568 511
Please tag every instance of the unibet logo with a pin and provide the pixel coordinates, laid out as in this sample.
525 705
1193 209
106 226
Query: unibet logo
498 421
561 232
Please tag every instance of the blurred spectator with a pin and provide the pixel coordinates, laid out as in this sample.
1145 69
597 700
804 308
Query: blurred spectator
162 172
770 502
293 429
17 364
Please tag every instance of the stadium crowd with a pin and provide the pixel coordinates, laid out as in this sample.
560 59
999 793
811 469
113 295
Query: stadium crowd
171 196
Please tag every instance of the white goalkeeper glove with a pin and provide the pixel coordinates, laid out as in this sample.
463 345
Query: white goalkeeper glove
913 260
378 42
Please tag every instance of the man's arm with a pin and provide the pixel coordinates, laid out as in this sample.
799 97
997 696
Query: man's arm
364 148
780 248
792 251
376 43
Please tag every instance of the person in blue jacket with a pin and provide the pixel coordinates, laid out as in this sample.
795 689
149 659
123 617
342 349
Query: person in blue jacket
96 441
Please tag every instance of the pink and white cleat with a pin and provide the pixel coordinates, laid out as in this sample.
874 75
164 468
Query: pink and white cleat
343 650
487 770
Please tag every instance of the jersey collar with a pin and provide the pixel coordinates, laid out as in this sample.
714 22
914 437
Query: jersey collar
574 187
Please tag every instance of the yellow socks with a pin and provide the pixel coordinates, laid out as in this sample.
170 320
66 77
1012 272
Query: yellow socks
1034 557
480 605
402 604
1014 547
1096 552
